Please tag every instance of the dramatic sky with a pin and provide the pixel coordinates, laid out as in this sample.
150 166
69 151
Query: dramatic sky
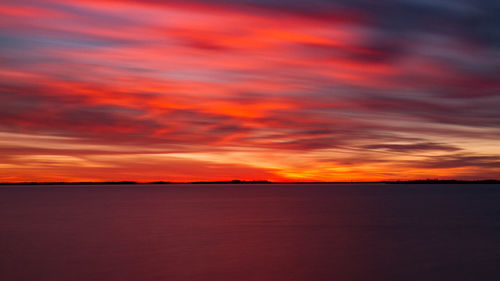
284 90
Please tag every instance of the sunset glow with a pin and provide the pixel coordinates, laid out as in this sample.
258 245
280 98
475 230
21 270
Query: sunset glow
251 90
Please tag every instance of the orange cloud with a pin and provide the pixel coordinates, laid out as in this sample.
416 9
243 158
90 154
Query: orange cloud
143 90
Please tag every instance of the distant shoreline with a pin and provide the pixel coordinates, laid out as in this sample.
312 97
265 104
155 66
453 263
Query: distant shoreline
444 182
255 182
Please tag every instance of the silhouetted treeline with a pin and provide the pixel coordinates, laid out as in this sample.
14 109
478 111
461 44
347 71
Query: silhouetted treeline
66 183
427 181
133 182
436 181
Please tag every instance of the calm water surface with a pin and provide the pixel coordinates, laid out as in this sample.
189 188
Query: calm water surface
364 232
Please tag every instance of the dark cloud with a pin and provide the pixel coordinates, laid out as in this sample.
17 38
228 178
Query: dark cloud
39 109
416 147
475 113
459 160
336 82
474 20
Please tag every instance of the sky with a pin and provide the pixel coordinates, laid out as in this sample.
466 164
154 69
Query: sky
296 90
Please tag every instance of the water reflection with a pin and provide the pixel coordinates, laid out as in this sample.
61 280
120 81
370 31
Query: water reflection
241 232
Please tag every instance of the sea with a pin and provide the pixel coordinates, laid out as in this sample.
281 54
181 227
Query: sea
250 232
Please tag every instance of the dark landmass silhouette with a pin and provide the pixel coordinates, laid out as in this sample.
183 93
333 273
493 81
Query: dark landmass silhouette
436 181
134 182
427 181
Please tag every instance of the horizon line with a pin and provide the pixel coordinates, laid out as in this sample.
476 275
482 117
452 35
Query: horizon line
252 182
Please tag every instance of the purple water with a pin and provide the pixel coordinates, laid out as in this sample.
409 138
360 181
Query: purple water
351 232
